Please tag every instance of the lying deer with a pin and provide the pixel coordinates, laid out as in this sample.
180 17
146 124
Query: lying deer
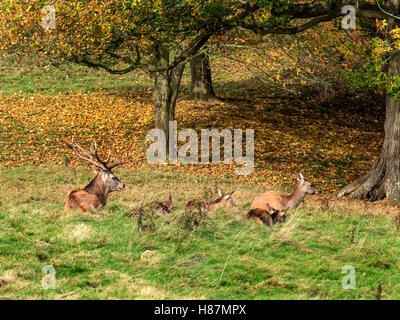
276 204
95 194
223 200
265 217
160 207
164 207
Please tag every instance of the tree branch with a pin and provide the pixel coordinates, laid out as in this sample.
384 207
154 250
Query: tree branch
304 10
135 65
202 39
320 12
371 14
290 30
96 65
316 9
192 49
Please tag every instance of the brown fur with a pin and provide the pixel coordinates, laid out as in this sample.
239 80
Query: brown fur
93 196
164 207
224 200
195 204
262 217
274 202
82 200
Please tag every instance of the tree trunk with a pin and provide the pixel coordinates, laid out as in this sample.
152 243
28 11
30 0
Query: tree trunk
202 88
166 85
383 180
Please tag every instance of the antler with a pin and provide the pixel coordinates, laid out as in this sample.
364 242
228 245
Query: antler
89 155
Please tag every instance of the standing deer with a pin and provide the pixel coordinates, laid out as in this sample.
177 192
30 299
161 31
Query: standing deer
223 200
276 205
95 194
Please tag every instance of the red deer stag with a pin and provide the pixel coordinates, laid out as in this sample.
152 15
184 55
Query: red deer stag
272 206
95 194
223 200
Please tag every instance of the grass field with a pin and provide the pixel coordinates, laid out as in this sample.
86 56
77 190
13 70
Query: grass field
102 255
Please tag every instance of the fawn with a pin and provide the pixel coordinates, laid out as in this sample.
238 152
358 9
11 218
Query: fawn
223 200
276 205
154 207
265 217
95 194
164 207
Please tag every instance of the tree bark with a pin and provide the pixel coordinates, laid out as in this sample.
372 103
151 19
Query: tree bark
166 86
383 180
202 88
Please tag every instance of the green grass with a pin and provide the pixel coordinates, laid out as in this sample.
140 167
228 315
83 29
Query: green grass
99 255
29 76
24 76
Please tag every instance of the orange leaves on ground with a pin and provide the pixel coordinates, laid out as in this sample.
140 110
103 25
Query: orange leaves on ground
331 146
34 129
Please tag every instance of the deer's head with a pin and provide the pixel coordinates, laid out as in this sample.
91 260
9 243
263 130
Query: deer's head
108 178
101 168
306 186
225 200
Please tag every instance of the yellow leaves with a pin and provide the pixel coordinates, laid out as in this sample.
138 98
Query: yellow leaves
381 24
48 121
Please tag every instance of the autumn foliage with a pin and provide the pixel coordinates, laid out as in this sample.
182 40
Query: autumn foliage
327 142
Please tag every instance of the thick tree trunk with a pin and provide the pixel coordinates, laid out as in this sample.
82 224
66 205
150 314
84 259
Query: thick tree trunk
161 101
202 88
165 91
384 178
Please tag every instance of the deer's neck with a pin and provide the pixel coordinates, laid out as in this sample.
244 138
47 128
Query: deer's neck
98 188
212 205
296 197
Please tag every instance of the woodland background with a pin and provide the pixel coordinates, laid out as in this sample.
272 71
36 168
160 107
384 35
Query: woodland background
316 100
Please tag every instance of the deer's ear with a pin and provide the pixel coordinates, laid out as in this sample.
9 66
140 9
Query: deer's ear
300 177
220 192
227 197
232 193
